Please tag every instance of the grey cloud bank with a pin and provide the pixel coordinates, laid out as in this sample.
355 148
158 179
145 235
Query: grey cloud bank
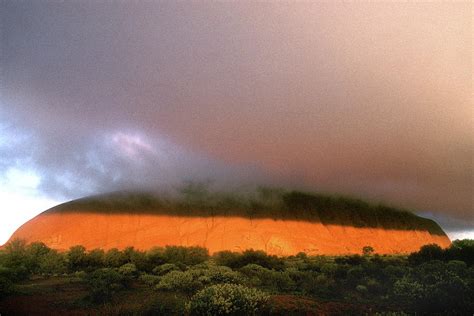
370 99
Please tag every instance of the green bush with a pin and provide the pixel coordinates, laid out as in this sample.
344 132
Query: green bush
408 290
210 274
165 268
179 281
427 253
355 275
34 253
367 250
138 258
52 263
76 258
457 267
156 256
222 274
6 284
433 287
150 279
393 273
225 258
361 289
95 259
103 284
278 281
114 258
227 299
237 260
462 250
15 258
185 255
254 272
319 285
128 270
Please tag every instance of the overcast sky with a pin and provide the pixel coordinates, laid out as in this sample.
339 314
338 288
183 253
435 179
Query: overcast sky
367 99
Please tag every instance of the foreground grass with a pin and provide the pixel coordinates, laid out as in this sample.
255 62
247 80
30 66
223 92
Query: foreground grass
64 295
36 280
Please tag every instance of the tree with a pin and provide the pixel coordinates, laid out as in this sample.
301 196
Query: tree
76 258
114 258
95 259
104 283
14 259
367 250
427 253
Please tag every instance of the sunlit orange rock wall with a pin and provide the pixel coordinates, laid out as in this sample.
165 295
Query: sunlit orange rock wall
280 237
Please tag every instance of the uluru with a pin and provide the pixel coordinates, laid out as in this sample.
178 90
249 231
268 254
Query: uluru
275 221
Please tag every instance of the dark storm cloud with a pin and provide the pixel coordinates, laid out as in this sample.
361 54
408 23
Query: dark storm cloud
365 99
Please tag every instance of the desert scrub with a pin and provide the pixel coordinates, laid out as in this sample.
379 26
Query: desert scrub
128 270
165 268
103 284
178 281
227 299
150 279
215 275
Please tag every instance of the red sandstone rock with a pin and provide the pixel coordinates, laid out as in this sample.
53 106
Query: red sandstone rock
61 230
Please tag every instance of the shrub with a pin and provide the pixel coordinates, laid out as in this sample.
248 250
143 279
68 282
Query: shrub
355 275
138 258
128 270
259 257
34 252
178 281
351 260
254 272
221 274
408 290
427 253
462 250
457 267
226 257
103 284
165 268
329 269
150 279
278 281
114 258
95 259
15 260
76 258
6 284
433 287
186 255
320 285
207 275
361 289
52 263
367 250
197 277
80 274
374 286
227 299
156 256
393 273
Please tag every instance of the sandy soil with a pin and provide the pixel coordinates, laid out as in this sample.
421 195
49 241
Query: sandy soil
280 237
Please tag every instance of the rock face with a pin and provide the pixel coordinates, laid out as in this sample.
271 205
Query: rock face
61 230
